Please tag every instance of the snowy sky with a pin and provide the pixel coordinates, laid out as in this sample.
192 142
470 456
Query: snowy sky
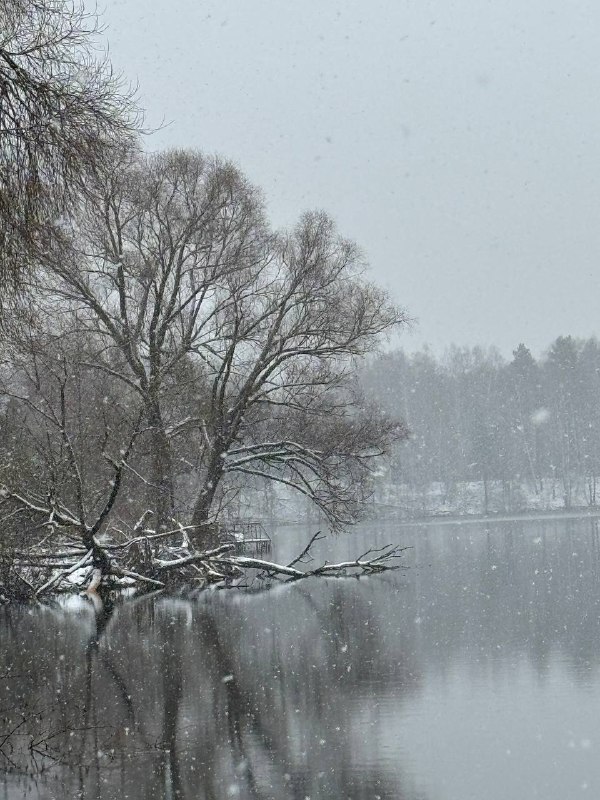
457 141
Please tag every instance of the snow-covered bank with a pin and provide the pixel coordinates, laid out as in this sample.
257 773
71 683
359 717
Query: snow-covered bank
460 500
479 499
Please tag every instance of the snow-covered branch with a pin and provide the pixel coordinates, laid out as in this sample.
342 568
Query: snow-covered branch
221 565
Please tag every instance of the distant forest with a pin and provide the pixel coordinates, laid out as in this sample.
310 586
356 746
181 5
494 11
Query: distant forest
492 435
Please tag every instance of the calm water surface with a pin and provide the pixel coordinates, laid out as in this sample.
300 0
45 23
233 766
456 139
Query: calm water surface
474 674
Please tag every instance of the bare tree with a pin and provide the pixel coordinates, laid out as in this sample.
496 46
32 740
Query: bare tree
156 245
174 267
69 486
62 111
280 405
64 479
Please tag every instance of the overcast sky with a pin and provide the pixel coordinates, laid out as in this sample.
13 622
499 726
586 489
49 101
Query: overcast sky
457 141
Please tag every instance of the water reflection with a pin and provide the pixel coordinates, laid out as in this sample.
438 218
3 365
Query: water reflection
415 685
225 697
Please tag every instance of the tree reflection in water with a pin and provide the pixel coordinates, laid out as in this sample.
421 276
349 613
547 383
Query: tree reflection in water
249 696
311 690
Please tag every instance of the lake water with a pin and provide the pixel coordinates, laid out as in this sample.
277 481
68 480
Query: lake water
474 673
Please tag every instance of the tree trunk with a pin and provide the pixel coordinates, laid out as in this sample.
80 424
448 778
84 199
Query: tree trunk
100 559
163 501
206 536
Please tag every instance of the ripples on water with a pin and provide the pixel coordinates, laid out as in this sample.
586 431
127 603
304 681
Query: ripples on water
473 674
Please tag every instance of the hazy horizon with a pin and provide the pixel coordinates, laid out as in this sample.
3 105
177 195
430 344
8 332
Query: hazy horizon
456 147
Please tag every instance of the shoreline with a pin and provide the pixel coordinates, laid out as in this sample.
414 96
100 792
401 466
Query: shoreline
464 519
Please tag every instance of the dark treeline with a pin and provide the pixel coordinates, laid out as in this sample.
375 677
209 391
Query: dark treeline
525 431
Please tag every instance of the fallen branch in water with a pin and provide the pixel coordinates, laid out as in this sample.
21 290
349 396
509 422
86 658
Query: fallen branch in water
135 562
56 579
127 573
384 561
163 566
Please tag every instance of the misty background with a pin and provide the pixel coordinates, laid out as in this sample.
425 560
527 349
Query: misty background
455 142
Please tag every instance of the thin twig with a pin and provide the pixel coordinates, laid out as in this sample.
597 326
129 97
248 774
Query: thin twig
317 537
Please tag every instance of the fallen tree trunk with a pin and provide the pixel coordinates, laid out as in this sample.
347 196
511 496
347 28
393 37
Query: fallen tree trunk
64 573
44 571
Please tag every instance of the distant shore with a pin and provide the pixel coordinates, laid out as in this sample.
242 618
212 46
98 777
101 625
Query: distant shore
464 519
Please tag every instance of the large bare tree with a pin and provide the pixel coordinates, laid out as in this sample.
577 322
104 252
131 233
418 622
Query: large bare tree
156 246
62 111
175 269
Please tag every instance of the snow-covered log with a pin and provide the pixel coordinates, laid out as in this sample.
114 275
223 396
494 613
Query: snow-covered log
220 566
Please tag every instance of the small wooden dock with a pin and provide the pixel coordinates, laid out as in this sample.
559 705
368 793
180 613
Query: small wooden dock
248 536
